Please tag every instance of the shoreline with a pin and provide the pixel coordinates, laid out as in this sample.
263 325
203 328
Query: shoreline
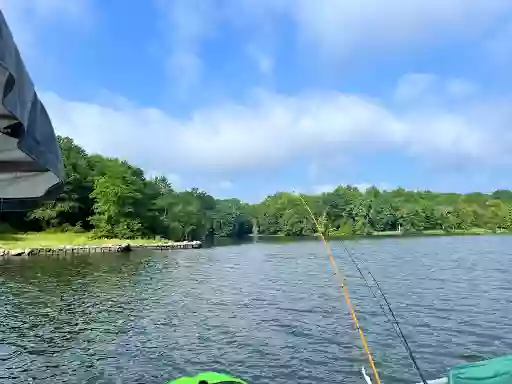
25 249
388 234
49 243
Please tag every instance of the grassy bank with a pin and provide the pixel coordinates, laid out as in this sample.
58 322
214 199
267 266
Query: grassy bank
55 239
438 232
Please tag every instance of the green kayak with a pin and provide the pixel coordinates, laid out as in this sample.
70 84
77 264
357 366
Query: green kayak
208 378
492 371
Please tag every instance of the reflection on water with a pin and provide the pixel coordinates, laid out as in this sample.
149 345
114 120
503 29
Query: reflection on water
271 313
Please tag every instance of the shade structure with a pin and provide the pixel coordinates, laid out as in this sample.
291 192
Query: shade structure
31 169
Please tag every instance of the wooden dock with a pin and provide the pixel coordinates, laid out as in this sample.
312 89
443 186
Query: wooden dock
103 248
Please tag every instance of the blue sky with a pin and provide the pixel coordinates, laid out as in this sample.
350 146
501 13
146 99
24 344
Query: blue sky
244 98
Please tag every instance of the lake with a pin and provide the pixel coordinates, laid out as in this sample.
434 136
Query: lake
269 313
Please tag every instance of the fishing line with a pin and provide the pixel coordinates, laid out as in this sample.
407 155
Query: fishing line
344 291
390 316
397 328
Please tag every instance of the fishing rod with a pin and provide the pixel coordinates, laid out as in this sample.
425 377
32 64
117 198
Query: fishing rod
396 326
344 291
390 316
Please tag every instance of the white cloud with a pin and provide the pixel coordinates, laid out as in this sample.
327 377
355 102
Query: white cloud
27 17
314 170
264 61
428 89
225 184
273 129
45 9
337 28
459 88
192 19
414 86
187 24
499 48
175 179
185 68
319 189
364 186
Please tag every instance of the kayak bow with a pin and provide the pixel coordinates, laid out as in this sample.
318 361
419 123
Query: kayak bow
208 378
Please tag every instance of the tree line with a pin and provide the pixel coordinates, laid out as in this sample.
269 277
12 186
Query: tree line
113 199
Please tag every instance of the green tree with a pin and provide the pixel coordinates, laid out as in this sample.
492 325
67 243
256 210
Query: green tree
73 206
120 207
114 199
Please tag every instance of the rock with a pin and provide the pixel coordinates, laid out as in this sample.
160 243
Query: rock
76 249
123 248
17 252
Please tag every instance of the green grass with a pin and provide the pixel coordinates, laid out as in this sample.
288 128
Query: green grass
474 231
432 232
54 239
437 232
387 233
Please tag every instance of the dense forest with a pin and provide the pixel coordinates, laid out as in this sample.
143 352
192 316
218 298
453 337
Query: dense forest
114 199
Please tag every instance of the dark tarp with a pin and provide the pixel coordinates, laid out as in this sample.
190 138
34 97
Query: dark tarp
31 168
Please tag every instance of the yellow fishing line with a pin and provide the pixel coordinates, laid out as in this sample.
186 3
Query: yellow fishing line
344 291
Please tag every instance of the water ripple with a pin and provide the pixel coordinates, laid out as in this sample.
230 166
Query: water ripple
269 313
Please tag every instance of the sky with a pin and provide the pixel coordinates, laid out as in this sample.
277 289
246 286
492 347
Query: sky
244 98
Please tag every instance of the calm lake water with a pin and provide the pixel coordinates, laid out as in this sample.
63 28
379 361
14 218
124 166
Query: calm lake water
270 313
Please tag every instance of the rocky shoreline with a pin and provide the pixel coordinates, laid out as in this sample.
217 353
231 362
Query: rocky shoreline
103 248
